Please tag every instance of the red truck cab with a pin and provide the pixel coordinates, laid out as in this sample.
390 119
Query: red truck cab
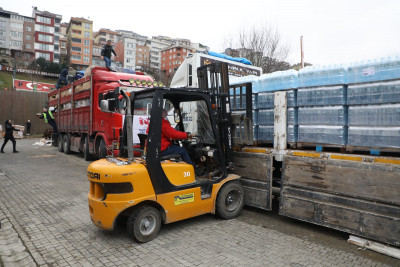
83 126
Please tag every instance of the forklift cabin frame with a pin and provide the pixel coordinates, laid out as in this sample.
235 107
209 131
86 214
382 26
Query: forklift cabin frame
160 181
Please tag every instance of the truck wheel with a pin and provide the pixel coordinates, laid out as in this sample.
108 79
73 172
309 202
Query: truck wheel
60 143
230 200
144 224
67 144
86 154
102 149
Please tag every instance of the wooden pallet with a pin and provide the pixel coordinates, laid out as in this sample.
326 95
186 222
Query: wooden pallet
321 147
373 150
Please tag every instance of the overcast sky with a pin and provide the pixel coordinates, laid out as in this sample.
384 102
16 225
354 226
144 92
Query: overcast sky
335 31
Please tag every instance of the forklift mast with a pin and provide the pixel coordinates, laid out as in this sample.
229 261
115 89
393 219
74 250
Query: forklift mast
214 79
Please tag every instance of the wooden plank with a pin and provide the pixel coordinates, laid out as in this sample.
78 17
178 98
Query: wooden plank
370 181
255 170
253 165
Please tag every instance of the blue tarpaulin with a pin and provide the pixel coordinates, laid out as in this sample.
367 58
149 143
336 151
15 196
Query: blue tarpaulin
237 59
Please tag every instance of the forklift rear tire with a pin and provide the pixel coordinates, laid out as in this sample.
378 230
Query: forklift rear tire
144 224
61 143
230 200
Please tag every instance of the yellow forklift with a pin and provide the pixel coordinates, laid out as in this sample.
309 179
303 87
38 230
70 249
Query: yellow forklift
150 190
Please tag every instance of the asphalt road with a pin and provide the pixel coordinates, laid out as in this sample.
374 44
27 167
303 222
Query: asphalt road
45 222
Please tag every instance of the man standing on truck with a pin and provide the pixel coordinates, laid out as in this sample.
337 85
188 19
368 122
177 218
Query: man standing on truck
106 53
49 118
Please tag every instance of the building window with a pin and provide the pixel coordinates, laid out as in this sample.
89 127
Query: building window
163 58
86 59
45 47
57 29
129 52
163 65
129 60
56 47
63 45
140 61
140 49
2 33
16 34
130 45
57 20
170 57
28 29
28 46
27 55
56 38
2 42
75 57
86 51
76 49
86 42
87 26
46 56
43 19
2 23
56 56
28 37
76 40
16 25
16 43
43 28
45 38
174 49
87 34
139 55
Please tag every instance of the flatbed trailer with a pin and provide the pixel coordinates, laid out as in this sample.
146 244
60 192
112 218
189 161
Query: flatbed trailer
354 193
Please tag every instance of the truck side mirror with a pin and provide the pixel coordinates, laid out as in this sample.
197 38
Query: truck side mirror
104 106
176 116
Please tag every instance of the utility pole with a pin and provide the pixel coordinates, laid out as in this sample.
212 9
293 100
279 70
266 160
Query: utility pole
302 53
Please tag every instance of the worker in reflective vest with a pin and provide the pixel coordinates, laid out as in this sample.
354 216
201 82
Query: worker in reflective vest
49 118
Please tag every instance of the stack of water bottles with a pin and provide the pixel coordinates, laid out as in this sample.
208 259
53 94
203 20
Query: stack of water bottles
356 105
374 103
321 100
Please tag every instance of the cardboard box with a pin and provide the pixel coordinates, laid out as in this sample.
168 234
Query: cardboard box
19 134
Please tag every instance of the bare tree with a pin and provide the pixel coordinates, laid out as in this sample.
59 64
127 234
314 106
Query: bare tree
262 45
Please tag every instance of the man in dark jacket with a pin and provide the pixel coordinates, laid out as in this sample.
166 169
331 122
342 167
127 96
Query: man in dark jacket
62 78
9 136
28 127
106 53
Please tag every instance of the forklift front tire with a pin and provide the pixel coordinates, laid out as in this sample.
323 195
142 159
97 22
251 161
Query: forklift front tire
230 200
144 224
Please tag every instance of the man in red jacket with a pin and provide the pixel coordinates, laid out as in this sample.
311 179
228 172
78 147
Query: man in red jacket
167 134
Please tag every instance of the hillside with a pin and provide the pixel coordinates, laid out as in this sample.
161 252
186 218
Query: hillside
6 79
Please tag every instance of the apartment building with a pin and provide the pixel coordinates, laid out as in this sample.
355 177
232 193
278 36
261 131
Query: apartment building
173 56
126 49
44 34
142 57
156 44
79 43
63 42
5 37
